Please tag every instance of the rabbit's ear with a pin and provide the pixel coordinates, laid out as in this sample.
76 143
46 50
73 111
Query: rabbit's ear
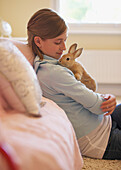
78 52
72 48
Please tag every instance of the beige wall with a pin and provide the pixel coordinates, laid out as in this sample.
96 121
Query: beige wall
18 12
105 42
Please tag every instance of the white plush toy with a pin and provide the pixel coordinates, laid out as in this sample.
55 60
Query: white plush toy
68 60
5 29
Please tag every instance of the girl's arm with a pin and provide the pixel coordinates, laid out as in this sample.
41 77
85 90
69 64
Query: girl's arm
64 82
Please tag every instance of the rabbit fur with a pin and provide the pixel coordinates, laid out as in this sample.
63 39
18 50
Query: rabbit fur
68 60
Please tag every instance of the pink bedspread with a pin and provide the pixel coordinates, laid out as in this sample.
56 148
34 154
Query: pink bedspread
46 143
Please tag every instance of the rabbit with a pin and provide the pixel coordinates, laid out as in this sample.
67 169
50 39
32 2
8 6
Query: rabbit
68 60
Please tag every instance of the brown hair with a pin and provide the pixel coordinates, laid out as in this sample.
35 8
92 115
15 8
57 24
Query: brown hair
46 24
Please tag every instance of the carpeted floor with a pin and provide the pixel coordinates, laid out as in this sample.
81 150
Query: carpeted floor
97 164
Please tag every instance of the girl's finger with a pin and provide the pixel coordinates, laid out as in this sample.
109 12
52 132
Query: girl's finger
108 109
108 113
108 105
107 102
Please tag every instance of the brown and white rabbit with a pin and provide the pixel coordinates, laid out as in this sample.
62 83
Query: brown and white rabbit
68 60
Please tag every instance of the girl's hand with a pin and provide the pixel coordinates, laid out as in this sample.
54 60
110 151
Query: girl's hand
109 105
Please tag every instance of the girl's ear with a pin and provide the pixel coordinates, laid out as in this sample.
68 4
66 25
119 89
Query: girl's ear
78 52
37 41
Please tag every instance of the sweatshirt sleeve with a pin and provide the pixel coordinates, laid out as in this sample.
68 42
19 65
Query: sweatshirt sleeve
64 82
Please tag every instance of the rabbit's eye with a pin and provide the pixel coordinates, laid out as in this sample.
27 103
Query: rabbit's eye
67 59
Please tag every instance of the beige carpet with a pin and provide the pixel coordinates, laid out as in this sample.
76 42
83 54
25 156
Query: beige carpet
96 164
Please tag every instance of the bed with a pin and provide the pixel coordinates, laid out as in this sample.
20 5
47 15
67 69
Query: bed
34 132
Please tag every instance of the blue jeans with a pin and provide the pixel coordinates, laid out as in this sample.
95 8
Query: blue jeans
113 150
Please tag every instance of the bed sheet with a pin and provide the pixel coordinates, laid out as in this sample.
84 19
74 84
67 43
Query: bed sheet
46 143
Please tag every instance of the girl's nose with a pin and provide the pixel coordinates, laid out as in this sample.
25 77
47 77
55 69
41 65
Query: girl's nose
63 47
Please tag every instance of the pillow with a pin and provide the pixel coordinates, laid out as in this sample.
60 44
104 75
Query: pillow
20 84
25 49
8 96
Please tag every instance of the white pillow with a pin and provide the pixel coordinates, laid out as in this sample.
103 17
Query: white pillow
15 68
8 95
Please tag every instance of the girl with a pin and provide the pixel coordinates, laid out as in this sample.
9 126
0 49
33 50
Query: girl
95 117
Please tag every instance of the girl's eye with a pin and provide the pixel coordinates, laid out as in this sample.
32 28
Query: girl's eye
67 59
57 43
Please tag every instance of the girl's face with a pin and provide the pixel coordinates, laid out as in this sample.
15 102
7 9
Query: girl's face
54 47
